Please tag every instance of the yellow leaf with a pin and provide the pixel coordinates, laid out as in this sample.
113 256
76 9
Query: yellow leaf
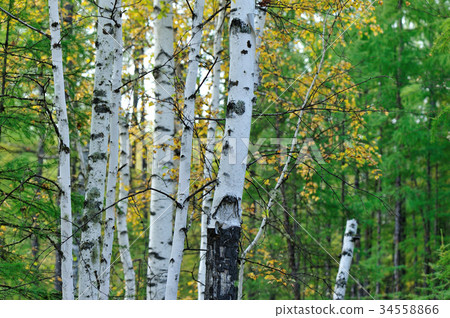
269 277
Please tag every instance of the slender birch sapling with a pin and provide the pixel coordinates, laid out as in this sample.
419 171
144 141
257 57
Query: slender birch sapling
108 236
64 153
179 235
122 208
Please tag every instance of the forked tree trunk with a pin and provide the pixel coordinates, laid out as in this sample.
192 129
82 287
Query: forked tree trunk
95 189
209 151
346 259
179 234
161 206
122 208
224 227
108 236
64 153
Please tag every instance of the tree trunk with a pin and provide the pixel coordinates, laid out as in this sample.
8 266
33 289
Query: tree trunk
5 62
346 259
80 189
414 230
64 152
161 206
290 245
224 227
108 236
89 283
179 234
378 190
426 219
398 238
355 291
438 225
399 213
209 151
122 209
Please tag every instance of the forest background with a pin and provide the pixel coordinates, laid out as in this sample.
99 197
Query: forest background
361 84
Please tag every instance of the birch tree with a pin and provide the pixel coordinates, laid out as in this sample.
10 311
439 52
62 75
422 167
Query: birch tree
179 235
209 151
98 147
224 227
108 236
122 208
64 152
161 206
346 259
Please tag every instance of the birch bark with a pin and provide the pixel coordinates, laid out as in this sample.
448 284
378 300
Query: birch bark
179 235
122 208
161 206
225 225
64 152
209 151
346 259
108 236
98 147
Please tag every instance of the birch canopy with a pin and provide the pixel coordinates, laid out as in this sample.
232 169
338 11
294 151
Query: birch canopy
254 150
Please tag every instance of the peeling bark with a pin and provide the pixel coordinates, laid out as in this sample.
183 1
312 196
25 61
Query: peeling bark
221 263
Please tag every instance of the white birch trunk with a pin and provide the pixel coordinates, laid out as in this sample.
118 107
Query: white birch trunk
179 235
161 206
346 259
64 153
108 236
225 224
98 148
209 151
122 208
